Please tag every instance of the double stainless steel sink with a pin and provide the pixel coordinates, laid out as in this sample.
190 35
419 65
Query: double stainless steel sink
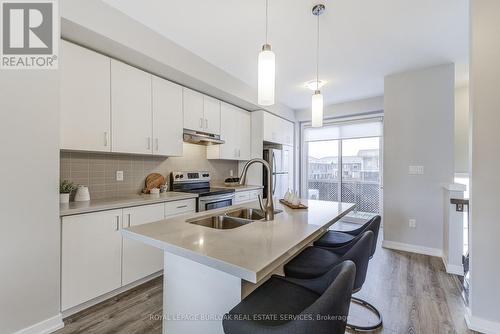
231 219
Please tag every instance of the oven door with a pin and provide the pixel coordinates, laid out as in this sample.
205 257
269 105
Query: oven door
215 202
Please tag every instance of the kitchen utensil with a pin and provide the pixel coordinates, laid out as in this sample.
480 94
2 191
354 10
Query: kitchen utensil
153 180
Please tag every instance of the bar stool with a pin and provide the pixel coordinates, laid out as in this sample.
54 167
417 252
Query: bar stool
314 261
332 239
297 306
337 239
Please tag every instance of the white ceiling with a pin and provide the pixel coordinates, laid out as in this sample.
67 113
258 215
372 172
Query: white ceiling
361 40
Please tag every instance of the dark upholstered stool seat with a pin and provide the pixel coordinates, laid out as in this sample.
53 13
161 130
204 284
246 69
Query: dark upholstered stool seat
282 306
334 238
311 262
315 261
337 240
277 298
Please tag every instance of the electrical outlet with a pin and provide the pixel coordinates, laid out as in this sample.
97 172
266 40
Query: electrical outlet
231 173
412 223
119 175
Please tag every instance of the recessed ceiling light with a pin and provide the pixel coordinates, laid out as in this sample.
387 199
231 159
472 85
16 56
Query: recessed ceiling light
312 84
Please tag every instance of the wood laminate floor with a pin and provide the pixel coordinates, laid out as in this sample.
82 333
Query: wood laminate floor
413 292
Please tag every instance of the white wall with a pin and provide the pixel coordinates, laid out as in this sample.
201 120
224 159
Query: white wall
29 201
462 127
418 130
485 183
350 108
88 22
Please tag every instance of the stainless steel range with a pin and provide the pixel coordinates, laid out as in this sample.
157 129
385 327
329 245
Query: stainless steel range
198 182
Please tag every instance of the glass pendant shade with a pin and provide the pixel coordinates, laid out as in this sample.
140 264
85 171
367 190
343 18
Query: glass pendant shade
317 109
266 75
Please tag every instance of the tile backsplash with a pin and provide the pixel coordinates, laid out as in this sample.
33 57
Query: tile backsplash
98 170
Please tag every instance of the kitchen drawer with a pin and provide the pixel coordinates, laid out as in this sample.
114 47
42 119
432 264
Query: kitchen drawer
180 207
242 196
254 194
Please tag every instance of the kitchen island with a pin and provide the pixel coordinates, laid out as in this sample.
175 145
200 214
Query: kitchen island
207 271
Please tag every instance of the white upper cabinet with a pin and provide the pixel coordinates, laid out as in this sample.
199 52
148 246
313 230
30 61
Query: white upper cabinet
235 131
211 113
278 130
244 134
289 133
167 118
139 259
84 99
193 110
131 115
201 112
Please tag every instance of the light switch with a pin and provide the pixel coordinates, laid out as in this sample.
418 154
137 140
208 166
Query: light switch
119 175
416 170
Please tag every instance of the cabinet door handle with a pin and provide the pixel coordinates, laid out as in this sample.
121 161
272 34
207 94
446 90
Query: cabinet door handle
117 226
239 153
149 143
157 144
201 123
182 206
206 123
106 138
129 219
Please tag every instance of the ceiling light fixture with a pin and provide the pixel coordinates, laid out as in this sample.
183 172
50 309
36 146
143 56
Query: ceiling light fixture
317 98
315 84
266 68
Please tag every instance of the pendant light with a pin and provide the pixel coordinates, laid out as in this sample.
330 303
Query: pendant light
266 72
317 98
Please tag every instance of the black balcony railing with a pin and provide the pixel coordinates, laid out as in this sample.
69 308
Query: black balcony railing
366 194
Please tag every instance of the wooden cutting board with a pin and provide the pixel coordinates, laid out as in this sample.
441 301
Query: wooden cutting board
153 180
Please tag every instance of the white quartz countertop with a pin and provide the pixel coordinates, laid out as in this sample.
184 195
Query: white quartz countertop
240 188
74 208
249 252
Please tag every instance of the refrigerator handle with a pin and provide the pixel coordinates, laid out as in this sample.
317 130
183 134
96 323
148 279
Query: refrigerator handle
274 185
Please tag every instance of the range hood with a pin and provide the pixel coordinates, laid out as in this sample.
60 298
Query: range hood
201 138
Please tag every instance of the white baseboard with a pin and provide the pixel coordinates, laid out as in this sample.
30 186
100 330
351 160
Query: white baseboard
481 325
412 248
44 327
453 268
108 295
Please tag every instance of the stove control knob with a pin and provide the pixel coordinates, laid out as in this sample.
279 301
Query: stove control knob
205 175
182 176
177 176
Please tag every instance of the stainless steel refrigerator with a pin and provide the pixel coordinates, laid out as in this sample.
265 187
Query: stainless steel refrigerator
280 160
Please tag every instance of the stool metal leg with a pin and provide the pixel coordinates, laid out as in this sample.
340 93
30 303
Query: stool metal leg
372 309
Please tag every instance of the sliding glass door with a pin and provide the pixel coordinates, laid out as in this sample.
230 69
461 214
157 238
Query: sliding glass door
323 170
342 162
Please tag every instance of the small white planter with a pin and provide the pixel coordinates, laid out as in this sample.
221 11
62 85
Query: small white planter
63 198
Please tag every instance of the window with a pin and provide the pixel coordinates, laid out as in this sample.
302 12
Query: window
356 147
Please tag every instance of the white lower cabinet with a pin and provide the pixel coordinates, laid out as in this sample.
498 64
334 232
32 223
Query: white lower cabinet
91 256
96 259
140 260
246 196
180 207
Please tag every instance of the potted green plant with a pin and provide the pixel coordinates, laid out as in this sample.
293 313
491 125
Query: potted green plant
65 188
